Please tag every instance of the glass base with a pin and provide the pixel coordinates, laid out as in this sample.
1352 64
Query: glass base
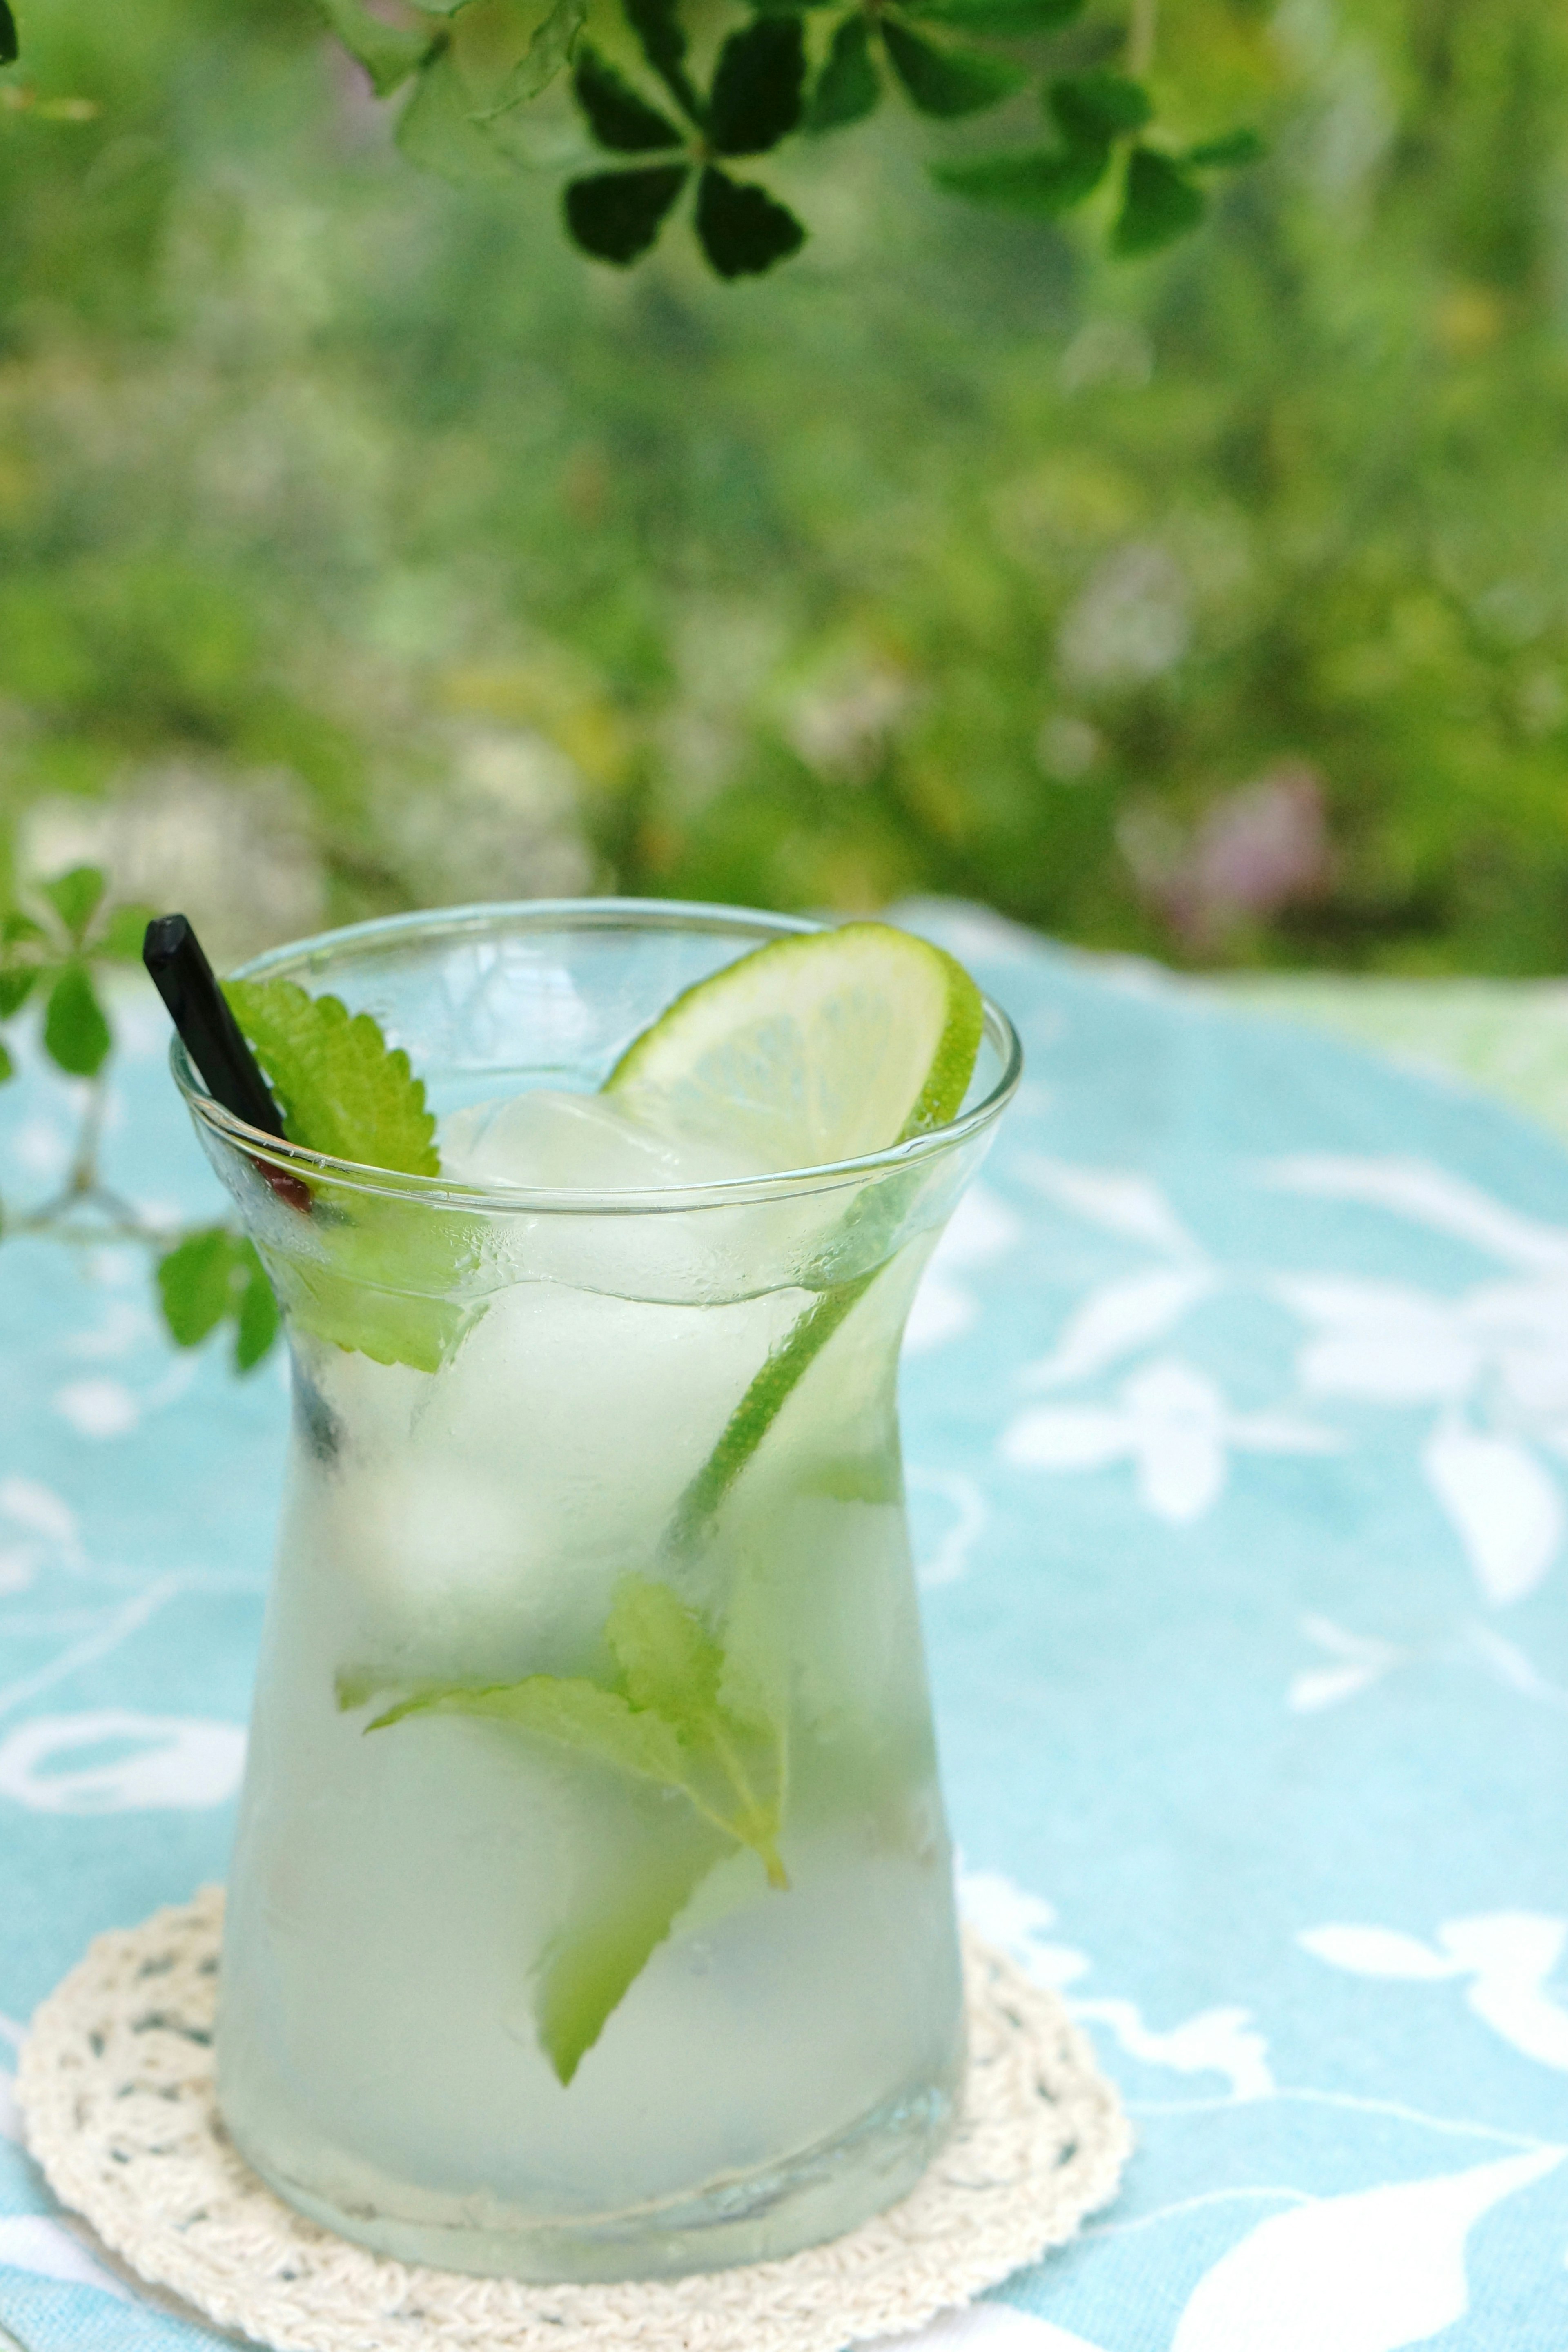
821 2192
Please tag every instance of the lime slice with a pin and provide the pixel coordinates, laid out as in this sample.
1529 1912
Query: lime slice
810 1050
807 1051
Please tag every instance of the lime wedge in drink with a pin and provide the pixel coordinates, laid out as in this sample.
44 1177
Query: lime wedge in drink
807 1052
810 1050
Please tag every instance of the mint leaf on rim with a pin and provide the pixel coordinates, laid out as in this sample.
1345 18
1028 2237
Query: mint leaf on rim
341 1089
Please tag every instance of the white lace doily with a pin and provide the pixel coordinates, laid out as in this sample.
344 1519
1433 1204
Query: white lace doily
116 2090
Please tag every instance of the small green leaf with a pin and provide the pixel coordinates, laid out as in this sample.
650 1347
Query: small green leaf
742 230
10 47
1007 18
948 82
757 86
1229 152
1093 108
341 1088
123 934
615 215
76 1035
848 87
7 1066
438 132
20 930
75 898
657 24
196 1284
388 53
16 986
668 1659
548 53
1159 205
257 1320
618 118
1042 183
574 1713
592 1965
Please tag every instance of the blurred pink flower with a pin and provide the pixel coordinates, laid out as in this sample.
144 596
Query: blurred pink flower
1254 850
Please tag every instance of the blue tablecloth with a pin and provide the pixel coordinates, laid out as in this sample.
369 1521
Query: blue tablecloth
1236 1410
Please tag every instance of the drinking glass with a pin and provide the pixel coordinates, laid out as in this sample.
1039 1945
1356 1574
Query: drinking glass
591 1913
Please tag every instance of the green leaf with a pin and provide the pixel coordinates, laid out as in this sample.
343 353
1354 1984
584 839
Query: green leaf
848 87
438 132
1007 18
948 82
573 1712
20 930
757 82
196 1284
10 47
1093 108
657 24
341 1088
668 1659
257 1320
548 53
388 53
1229 152
615 215
75 898
741 229
123 934
618 118
1159 204
7 1066
76 1035
591 1965
1042 183
16 986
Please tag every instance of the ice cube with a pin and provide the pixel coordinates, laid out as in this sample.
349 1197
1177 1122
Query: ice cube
545 1140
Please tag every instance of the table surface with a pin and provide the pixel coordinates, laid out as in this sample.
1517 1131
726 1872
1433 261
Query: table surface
1236 1410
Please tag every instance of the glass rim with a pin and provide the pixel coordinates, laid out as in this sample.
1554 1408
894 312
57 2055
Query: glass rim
587 914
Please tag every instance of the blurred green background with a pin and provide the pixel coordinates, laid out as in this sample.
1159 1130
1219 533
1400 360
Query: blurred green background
361 545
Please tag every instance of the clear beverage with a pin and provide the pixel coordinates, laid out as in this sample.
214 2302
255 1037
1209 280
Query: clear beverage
501 1992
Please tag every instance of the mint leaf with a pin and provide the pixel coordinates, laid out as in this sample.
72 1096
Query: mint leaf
123 934
382 1285
75 898
341 1089
689 1718
589 1968
196 1284
256 1317
76 1036
572 1711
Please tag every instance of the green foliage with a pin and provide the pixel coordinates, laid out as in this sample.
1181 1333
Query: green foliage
389 53
341 1089
10 47
1159 204
846 90
683 1712
213 1276
947 82
76 1033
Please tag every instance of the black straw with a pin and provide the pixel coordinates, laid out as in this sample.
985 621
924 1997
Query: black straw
199 1010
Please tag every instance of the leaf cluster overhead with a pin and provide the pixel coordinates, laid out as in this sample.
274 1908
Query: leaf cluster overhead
681 129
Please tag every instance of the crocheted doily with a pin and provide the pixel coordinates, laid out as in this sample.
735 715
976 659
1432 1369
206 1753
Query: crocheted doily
116 2089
